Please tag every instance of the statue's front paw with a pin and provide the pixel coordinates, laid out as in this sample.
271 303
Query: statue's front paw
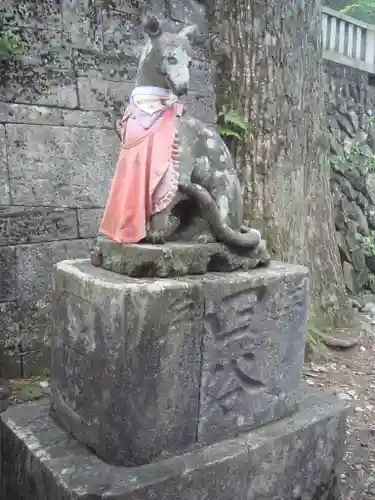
155 237
205 238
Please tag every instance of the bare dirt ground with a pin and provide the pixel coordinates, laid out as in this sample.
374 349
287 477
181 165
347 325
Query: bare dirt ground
350 375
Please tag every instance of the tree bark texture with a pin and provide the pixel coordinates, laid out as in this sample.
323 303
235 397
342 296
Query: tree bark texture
273 76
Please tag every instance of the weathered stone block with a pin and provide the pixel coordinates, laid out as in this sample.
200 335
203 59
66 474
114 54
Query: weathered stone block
82 23
9 331
5 392
43 74
174 258
49 166
350 277
252 351
122 30
8 274
26 13
343 246
148 362
35 265
111 67
298 457
175 361
89 221
371 216
370 186
46 115
352 211
24 113
35 360
28 85
98 94
34 224
88 119
109 27
10 364
9 340
4 180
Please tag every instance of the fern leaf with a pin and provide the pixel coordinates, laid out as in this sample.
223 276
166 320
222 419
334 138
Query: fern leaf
10 43
233 118
5 49
227 132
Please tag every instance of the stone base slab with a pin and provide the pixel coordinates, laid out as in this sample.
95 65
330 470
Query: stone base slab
174 259
295 458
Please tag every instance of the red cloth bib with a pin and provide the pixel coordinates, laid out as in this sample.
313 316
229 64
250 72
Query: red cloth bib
145 179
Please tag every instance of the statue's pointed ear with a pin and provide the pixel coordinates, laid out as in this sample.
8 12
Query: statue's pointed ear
152 27
190 32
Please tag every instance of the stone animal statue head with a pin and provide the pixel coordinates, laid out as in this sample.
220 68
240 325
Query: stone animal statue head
166 58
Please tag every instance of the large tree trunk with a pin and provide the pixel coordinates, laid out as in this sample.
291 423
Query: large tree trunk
273 75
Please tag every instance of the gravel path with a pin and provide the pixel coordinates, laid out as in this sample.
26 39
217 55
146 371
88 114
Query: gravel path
350 374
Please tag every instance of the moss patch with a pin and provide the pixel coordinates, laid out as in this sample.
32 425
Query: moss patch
28 389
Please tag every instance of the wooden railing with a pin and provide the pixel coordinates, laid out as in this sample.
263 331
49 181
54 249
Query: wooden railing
348 41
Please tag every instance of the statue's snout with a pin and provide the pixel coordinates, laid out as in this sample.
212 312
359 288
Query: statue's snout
182 90
178 88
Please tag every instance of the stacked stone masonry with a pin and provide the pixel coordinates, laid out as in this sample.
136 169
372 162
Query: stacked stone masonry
350 100
59 101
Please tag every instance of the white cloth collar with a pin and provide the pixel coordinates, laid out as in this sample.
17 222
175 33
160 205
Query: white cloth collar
152 100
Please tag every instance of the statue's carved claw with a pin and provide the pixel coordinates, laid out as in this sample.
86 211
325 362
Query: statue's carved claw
155 237
182 187
205 238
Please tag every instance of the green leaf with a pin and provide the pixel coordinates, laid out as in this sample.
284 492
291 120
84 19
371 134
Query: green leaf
10 43
335 159
233 118
30 392
227 132
349 8
362 9
5 49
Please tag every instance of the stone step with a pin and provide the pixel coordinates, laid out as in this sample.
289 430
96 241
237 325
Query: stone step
294 458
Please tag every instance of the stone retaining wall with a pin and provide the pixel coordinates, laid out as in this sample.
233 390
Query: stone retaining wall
350 103
58 149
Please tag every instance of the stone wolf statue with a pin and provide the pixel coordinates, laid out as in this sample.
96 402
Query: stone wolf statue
206 204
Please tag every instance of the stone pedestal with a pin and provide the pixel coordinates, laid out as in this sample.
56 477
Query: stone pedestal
183 388
295 458
149 368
